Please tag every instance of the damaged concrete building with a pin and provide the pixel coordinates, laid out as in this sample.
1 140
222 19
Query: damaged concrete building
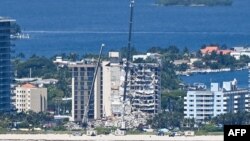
143 89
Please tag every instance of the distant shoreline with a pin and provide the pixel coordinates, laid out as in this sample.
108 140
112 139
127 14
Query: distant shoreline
204 71
69 137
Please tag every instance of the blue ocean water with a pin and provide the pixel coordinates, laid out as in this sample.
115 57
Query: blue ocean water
240 76
57 26
81 26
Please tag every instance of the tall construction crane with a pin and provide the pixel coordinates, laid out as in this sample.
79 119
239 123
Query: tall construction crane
132 2
86 108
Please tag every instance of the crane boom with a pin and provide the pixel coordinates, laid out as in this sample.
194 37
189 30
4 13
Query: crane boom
86 108
129 48
128 59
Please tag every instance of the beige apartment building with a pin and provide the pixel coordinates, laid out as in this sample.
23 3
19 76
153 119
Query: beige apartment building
29 97
82 78
112 95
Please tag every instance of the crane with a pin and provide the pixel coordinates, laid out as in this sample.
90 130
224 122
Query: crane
132 2
86 108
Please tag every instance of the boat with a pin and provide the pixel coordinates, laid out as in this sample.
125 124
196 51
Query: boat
20 36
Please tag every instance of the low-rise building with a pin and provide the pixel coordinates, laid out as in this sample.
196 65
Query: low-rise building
209 49
202 103
147 55
216 49
29 97
240 51
182 61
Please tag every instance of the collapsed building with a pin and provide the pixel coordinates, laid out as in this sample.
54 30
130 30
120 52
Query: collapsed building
145 87
143 96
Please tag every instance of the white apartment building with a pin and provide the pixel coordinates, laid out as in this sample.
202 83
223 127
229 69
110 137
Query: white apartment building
240 51
112 96
147 55
201 104
29 97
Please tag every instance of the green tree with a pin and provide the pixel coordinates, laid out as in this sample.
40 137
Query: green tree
169 120
155 50
198 64
185 51
245 59
199 54
182 67
124 52
73 57
211 128
139 60
188 123
173 50
55 96
168 76
239 118
213 65
20 55
40 66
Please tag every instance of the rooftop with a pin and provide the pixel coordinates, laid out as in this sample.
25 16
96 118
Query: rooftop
4 19
224 52
209 49
28 86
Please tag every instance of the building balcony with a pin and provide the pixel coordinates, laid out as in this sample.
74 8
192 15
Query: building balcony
206 108
204 98
144 105
236 96
205 112
205 103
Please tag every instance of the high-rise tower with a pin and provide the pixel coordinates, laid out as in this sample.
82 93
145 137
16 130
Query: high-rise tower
82 78
7 27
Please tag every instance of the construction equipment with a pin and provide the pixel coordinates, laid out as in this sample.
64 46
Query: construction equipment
86 108
123 124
